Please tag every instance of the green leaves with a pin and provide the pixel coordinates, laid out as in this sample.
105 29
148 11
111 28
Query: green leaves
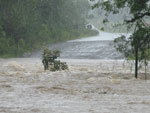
50 62
138 44
122 44
26 25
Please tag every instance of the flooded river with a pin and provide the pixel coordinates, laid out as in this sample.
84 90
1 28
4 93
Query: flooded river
91 85
96 47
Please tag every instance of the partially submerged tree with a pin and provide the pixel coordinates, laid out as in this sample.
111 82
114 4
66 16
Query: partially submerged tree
137 45
50 62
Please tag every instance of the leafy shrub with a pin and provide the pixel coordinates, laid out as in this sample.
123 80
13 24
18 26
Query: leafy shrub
50 62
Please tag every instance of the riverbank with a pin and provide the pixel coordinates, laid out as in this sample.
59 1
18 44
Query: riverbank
89 86
25 48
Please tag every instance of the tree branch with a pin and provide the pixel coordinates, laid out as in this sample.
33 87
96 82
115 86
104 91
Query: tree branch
138 16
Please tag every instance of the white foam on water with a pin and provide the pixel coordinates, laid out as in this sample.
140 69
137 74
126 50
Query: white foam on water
103 36
89 86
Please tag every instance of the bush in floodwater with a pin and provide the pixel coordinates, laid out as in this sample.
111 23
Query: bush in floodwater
50 62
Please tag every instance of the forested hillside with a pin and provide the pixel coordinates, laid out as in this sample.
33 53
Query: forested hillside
26 25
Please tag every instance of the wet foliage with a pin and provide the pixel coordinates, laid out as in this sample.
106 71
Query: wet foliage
50 61
137 46
26 25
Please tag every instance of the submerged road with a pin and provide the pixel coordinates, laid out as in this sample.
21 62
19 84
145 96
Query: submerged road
96 47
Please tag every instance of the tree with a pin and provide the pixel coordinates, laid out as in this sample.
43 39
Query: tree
138 44
26 25
50 62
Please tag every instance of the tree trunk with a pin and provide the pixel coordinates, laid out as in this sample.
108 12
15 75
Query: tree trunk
136 62
145 67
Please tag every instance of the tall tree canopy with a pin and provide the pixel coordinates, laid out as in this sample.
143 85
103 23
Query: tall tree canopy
137 9
137 46
29 24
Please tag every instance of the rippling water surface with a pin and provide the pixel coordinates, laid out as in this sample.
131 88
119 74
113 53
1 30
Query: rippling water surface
96 47
89 86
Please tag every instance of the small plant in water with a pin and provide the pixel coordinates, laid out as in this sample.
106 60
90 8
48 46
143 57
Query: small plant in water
50 62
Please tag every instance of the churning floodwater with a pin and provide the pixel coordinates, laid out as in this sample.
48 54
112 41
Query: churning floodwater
95 47
89 86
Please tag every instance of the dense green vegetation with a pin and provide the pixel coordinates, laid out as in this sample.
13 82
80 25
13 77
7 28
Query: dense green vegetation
50 61
137 46
26 25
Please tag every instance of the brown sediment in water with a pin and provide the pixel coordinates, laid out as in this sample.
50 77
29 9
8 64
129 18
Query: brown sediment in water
88 86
